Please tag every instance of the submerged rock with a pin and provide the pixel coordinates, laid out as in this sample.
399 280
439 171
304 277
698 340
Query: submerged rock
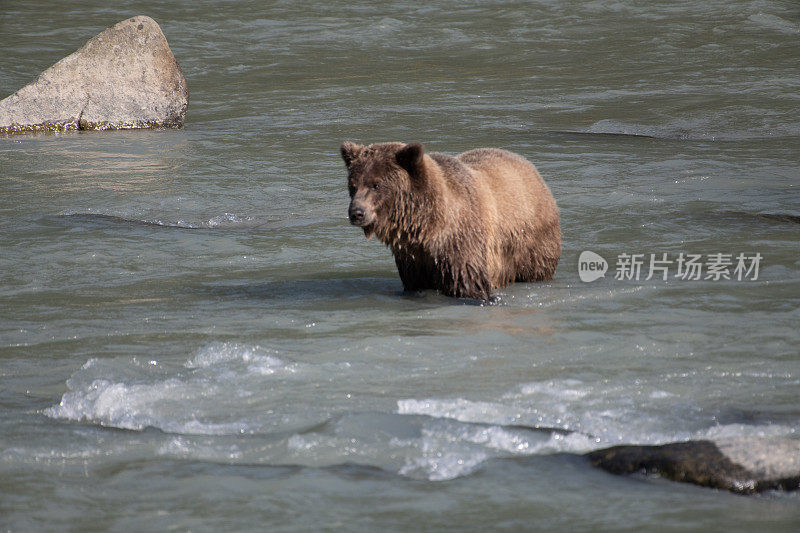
744 465
125 77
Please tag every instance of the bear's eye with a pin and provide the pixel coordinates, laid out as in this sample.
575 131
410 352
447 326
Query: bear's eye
375 186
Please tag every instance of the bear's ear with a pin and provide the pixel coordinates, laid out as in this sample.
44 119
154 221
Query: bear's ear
350 151
410 158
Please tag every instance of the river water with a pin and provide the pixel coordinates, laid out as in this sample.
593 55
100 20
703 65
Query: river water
192 336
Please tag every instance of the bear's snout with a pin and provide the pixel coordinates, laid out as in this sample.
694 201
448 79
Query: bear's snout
357 215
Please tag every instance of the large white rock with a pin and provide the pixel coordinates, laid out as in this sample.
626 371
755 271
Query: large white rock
125 77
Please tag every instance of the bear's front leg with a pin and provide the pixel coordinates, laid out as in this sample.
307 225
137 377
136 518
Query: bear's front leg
414 272
476 286
466 280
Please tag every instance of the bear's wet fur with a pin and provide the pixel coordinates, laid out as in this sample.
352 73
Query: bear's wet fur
462 225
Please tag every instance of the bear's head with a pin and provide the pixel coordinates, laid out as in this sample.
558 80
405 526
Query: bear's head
381 180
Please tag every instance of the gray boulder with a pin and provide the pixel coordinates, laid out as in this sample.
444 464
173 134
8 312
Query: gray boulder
125 77
742 465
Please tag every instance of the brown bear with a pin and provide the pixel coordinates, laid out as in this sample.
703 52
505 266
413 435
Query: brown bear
462 225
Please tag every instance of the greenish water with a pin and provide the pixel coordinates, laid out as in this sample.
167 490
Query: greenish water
192 336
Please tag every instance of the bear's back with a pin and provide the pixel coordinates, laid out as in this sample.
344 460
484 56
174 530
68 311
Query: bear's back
522 211
460 178
515 186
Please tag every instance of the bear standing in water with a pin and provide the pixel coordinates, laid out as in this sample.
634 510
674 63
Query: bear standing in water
462 225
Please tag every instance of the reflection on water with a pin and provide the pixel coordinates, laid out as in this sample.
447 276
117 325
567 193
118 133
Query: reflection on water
118 163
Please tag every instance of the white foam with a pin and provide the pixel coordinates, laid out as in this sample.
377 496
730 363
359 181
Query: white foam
301 443
89 363
660 395
449 448
50 456
180 446
547 404
733 431
458 409
221 353
569 443
444 466
138 406
443 456
565 389
240 358
201 399
596 417
498 438
227 219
